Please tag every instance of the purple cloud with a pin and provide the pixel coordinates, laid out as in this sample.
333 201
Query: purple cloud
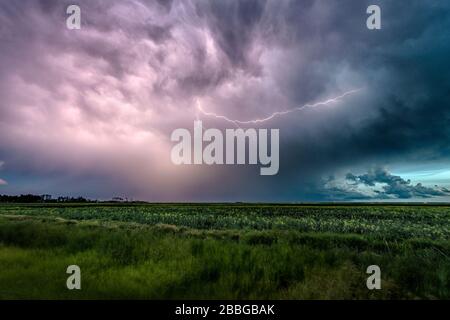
91 110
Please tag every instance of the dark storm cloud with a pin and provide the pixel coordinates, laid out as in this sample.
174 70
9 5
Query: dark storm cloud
403 112
235 25
116 89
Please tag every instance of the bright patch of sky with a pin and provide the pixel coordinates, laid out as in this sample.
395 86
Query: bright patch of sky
429 175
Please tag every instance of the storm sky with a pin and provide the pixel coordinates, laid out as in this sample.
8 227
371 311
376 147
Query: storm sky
90 112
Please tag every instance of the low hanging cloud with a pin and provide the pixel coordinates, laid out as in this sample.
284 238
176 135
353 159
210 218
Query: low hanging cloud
379 183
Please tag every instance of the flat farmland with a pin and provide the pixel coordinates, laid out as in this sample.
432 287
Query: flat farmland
224 251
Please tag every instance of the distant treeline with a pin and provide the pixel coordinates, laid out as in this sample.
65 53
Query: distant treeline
32 198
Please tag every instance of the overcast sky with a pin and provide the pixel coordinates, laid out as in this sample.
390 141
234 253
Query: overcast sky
90 112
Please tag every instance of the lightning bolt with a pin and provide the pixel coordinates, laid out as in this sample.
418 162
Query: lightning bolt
276 113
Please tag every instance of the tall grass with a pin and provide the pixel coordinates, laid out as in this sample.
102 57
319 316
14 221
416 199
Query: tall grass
124 260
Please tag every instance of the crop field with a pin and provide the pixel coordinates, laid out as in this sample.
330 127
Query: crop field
224 251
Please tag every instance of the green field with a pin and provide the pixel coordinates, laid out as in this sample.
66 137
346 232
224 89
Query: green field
220 251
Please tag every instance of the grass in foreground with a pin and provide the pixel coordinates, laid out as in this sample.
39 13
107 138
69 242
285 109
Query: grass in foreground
130 260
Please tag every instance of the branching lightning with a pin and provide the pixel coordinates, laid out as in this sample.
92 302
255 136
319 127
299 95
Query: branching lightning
276 113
